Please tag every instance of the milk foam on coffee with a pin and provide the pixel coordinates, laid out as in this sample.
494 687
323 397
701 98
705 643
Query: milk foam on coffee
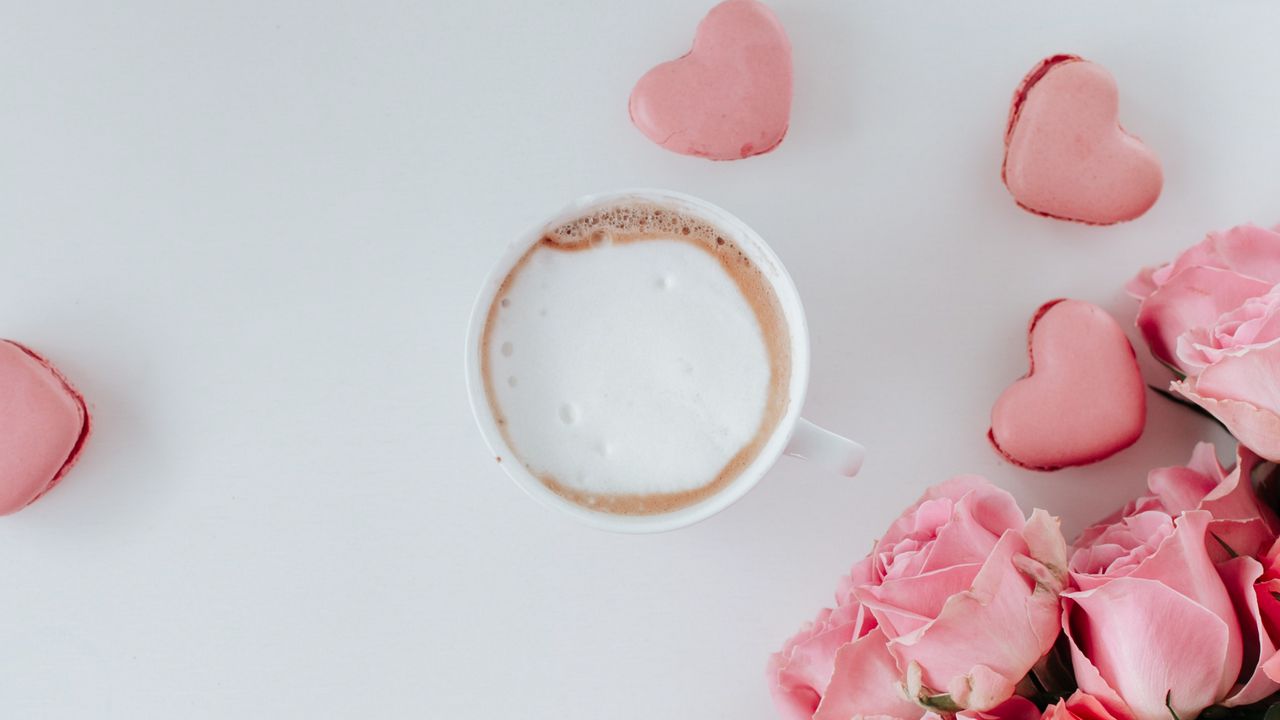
636 360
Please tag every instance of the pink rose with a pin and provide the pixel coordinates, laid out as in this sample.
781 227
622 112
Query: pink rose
1213 315
1151 621
952 608
1242 527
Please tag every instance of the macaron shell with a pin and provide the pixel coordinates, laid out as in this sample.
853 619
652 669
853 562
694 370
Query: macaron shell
43 426
1067 157
1083 399
730 96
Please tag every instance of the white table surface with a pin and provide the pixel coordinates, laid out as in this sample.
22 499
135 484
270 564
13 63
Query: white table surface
251 233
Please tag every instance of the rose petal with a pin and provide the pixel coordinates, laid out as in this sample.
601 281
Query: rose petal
1272 667
1232 538
903 606
1235 498
1004 623
1090 534
1088 707
866 682
1249 250
1088 678
800 673
1195 297
1240 574
1015 708
1142 285
1255 427
1253 377
1045 544
862 573
968 538
994 508
1095 559
1267 594
1245 249
1183 488
981 688
1142 641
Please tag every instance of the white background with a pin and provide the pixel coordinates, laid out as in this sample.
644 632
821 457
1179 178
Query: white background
251 233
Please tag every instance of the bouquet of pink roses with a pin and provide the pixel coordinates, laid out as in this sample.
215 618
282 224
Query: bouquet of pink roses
965 606
1167 610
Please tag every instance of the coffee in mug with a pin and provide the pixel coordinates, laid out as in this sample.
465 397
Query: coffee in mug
639 361
636 359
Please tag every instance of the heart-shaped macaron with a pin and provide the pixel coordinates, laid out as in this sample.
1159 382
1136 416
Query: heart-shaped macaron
43 426
730 96
1083 399
1066 155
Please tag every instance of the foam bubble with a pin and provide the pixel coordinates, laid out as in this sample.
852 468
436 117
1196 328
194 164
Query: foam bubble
569 413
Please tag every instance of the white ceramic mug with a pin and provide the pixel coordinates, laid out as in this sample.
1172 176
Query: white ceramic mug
793 435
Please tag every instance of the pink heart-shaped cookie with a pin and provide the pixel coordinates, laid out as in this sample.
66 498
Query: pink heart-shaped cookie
43 426
1083 399
1066 156
730 96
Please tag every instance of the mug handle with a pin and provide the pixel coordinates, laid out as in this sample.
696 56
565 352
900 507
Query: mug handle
810 442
